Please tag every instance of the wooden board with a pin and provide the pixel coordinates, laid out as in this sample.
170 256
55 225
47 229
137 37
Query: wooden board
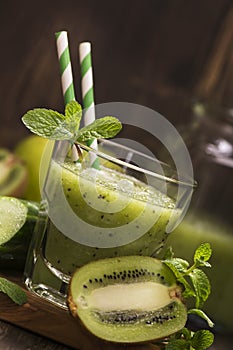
46 319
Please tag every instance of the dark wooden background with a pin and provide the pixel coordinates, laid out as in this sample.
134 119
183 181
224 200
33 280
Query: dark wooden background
158 53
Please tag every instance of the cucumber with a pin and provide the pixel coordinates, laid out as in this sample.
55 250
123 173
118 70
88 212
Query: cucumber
17 222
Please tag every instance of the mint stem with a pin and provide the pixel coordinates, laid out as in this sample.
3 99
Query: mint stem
80 154
188 271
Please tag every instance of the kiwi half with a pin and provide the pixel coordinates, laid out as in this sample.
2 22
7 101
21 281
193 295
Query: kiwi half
129 299
13 175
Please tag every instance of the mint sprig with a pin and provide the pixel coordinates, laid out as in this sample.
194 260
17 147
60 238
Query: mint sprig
195 282
195 285
56 126
13 291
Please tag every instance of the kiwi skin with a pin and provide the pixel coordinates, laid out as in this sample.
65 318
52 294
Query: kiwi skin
152 330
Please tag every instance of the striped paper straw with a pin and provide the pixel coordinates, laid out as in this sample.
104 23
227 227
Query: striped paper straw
65 66
88 91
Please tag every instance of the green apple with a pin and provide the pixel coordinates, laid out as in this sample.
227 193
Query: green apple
31 150
13 174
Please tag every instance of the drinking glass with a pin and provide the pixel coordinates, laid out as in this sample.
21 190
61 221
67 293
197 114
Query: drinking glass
101 203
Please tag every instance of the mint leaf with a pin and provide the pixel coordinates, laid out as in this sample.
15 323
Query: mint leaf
201 286
181 264
178 266
13 291
73 115
49 124
202 340
72 109
201 314
106 127
202 255
177 344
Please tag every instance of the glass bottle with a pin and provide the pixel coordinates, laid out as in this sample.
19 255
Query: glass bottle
209 138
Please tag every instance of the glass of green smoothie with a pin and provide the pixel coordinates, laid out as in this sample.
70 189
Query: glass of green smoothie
97 203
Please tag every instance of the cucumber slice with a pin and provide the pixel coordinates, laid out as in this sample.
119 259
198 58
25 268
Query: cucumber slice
17 221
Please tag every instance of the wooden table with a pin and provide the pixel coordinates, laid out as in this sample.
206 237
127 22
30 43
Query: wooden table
15 338
41 325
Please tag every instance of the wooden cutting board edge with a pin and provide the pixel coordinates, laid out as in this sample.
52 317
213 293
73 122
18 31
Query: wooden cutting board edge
42 317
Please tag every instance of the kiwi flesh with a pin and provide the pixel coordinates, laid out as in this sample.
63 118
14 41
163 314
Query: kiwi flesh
130 299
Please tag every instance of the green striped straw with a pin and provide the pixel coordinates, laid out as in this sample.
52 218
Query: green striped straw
65 66
66 73
88 92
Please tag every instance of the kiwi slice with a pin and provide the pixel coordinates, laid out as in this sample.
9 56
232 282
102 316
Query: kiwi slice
130 299
13 175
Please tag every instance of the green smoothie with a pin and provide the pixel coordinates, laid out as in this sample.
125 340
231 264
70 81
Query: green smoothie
195 230
111 207
107 199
